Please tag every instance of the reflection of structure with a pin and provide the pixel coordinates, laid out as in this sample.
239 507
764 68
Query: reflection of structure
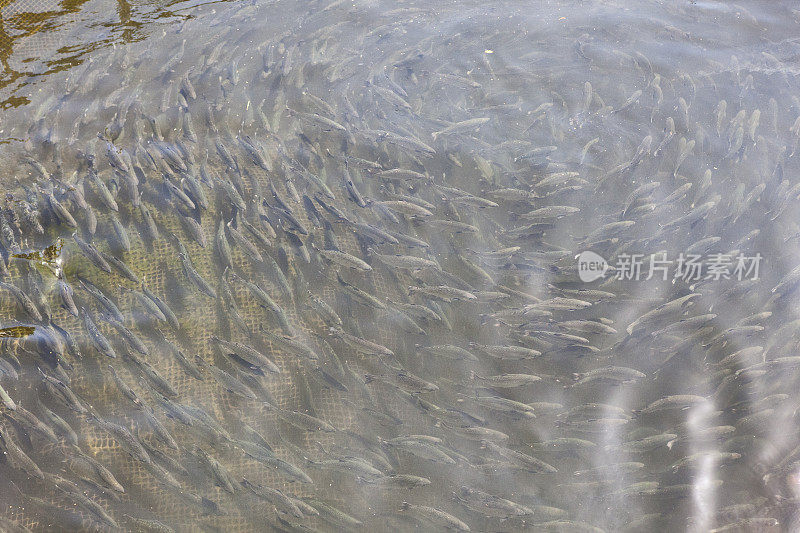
22 53
5 42
124 11
19 21
7 75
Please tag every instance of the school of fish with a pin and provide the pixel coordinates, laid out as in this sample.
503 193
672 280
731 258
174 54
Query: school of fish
325 279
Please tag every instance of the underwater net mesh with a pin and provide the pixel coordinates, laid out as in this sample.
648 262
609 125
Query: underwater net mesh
157 266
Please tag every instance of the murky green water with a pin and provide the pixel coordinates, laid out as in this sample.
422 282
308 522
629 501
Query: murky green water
397 266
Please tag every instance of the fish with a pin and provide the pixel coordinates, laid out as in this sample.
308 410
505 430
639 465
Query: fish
404 380
125 438
333 515
121 267
444 293
248 354
125 389
100 342
146 524
61 212
59 425
449 351
677 401
362 345
88 468
16 457
510 353
408 262
610 373
196 279
305 421
92 254
29 421
528 462
504 381
244 244
276 497
103 300
346 260
8 402
23 300
490 505
461 127
60 391
435 517
123 240
226 380
326 312
223 478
